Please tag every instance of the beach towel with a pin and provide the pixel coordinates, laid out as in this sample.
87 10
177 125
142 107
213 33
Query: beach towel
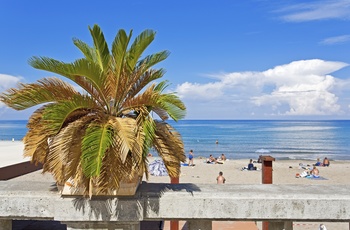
316 178
303 174
302 166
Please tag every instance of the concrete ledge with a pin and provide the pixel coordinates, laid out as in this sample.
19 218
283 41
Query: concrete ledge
249 202
40 200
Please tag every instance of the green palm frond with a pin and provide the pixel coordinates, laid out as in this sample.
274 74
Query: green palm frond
141 42
119 51
89 71
48 64
101 47
97 139
86 74
86 50
140 81
56 114
154 59
162 104
149 129
172 105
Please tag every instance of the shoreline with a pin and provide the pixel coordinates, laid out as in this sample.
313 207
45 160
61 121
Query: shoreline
284 171
16 149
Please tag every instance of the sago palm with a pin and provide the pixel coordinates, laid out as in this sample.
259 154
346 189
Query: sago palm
100 135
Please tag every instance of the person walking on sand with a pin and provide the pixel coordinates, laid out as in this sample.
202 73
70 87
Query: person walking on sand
220 179
190 158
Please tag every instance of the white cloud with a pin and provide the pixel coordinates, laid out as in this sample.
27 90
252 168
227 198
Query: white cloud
301 88
317 10
200 92
336 40
8 81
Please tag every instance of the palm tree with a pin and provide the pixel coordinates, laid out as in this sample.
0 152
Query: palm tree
101 136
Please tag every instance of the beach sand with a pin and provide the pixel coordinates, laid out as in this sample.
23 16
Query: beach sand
284 172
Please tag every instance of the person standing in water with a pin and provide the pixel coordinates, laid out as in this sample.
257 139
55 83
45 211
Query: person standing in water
190 158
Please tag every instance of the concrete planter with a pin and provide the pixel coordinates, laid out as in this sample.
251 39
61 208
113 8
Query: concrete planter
127 188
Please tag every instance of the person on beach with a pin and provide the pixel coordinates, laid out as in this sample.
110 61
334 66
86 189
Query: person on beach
250 166
223 157
260 159
325 162
318 162
315 172
190 158
322 227
220 179
211 159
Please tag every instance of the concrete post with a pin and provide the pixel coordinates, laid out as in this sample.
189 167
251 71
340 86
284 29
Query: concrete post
5 224
266 178
199 225
102 225
174 224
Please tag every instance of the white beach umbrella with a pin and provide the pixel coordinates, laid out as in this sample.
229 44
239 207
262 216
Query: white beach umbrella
157 168
262 151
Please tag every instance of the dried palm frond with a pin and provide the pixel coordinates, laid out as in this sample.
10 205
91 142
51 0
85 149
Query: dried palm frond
101 137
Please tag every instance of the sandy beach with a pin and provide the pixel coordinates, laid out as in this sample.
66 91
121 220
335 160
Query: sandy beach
284 172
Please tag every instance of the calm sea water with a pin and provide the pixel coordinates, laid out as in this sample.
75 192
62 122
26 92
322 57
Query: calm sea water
241 139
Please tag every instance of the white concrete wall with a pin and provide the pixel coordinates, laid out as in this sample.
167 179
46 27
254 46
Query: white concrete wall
39 200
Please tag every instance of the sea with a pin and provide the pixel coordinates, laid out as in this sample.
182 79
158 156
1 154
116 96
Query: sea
242 139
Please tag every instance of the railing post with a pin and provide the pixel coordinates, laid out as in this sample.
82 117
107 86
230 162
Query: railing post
174 224
6 224
267 169
199 225
266 177
81 225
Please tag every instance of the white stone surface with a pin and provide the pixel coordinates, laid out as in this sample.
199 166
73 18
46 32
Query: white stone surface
39 200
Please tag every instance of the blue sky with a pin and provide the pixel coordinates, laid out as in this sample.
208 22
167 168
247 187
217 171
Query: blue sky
252 59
